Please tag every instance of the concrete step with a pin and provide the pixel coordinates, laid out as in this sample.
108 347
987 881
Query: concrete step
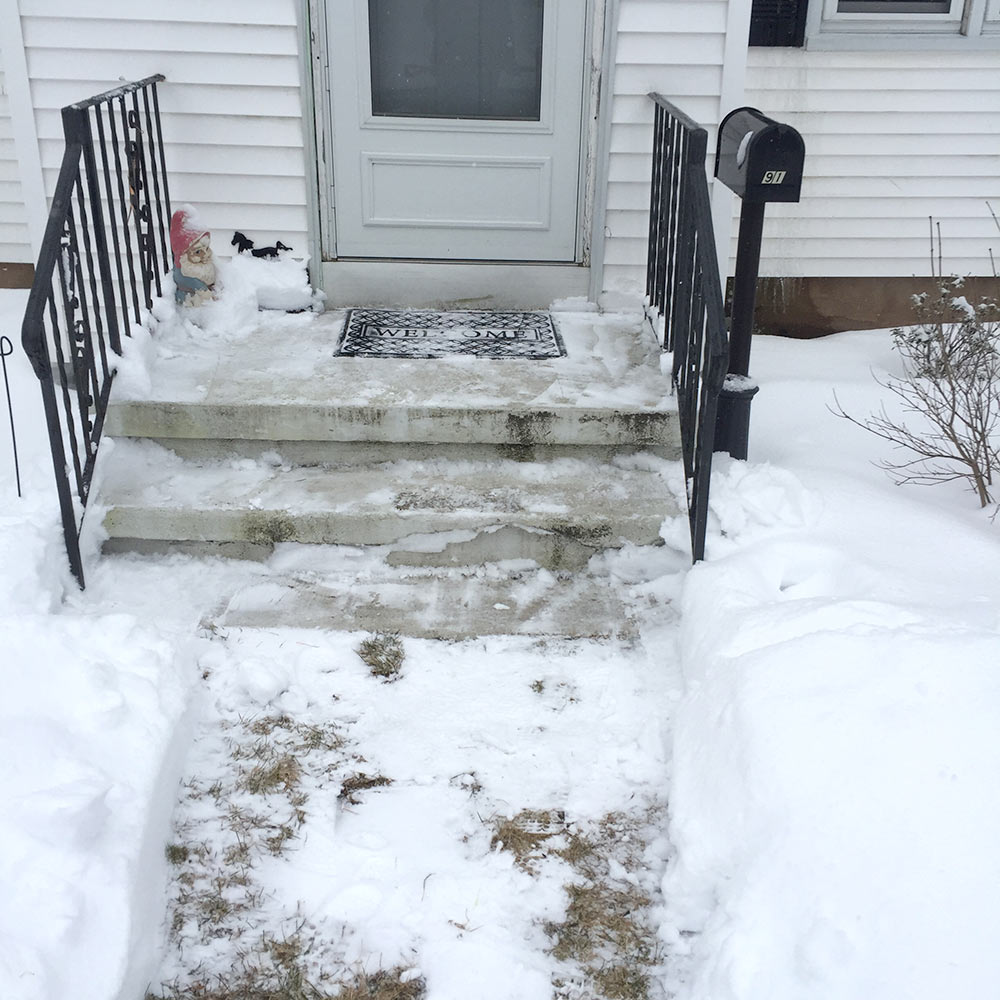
363 453
523 427
437 605
438 512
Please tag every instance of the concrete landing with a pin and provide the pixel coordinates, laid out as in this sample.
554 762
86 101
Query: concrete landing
281 381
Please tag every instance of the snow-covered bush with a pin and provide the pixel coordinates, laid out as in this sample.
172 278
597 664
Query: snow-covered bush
947 399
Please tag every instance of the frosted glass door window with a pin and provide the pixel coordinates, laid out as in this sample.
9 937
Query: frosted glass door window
456 58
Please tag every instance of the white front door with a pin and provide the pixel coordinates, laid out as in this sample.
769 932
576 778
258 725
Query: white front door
457 128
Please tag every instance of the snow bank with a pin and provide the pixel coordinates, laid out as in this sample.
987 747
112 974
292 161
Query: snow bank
88 724
278 283
836 792
91 745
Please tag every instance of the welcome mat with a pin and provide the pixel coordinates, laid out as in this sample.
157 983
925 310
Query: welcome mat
426 333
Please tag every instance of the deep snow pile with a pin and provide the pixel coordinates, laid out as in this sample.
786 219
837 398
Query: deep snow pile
836 793
88 738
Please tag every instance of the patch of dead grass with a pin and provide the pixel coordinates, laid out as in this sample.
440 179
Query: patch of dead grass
281 774
599 918
608 931
622 982
383 654
276 973
255 808
352 787
387 984
527 834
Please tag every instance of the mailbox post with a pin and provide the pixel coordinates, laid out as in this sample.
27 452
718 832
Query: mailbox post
760 160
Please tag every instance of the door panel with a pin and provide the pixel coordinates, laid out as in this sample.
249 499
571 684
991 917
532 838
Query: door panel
456 128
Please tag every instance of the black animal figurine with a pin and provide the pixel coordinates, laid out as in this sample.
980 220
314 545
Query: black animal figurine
241 242
270 251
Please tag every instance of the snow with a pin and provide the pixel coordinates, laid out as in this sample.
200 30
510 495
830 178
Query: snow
406 875
821 721
836 783
89 739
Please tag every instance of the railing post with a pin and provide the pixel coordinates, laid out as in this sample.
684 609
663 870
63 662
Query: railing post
761 161
732 433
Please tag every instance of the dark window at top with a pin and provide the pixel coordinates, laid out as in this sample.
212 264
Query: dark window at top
778 22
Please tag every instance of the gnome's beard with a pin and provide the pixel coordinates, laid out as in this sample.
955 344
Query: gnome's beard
202 270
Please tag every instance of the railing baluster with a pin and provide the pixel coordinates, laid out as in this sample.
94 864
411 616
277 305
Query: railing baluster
63 367
109 195
125 201
684 291
144 216
77 323
86 267
74 319
151 145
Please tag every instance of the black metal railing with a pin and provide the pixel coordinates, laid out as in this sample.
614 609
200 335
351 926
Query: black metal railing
684 295
102 259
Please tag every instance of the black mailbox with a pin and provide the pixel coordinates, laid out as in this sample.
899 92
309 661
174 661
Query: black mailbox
758 158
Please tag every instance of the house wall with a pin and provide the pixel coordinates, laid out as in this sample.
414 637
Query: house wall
15 246
232 112
232 105
892 139
884 149
682 49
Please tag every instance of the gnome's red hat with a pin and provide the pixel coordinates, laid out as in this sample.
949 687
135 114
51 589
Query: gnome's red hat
184 232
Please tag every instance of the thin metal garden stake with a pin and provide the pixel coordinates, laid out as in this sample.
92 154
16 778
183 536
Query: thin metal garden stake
6 349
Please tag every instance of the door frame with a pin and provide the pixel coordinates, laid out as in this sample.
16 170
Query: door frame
599 44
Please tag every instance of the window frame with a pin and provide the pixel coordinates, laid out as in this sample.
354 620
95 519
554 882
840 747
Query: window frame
967 25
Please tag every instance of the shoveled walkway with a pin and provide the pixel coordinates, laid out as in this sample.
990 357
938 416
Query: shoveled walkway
373 817
486 819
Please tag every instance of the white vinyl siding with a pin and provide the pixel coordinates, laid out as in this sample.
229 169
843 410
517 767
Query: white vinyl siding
675 48
892 139
231 103
15 247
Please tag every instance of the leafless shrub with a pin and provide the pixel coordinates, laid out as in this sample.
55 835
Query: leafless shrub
949 391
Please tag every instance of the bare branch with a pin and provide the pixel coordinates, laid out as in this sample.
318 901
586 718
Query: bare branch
950 386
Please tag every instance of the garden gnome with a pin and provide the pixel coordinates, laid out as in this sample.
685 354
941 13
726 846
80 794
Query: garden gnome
194 266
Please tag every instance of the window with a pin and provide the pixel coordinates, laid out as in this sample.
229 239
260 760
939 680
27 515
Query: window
871 24
778 22
893 6
456 59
